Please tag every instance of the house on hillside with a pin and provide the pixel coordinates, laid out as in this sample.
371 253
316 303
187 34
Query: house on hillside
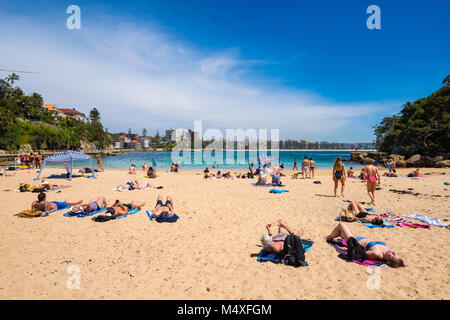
71 113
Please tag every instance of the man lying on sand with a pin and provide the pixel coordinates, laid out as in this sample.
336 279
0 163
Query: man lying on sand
119 209
45 206
93 205
375 250
276 244
163 209
362 215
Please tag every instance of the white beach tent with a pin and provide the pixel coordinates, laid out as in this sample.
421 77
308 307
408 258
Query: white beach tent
67 157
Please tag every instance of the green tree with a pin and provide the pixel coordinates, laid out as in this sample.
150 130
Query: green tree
94 115
12 78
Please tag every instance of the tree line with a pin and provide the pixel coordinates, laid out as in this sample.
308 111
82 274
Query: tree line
422 127
24 121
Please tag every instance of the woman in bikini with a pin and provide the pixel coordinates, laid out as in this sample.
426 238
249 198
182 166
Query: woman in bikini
373 179
375 250
339 174
362 215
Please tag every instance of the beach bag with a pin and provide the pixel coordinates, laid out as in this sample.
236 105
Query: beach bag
293 253
355 251
29 213
347 216
103 218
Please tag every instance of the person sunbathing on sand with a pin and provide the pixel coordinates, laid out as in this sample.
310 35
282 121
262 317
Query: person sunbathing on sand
350 172
276 244
45 206
133 185
362 215
375 250
414 174
119 209
93 205
391 173
151 173
163 209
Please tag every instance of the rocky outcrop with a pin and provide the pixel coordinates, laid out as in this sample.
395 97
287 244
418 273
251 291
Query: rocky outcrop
414 161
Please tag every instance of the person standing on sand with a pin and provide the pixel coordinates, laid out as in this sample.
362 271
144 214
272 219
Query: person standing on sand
295 165
339 174
312 167
99 163
305 166
373 178
32 160
39 160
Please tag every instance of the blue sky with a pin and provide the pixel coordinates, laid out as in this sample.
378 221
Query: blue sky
311 69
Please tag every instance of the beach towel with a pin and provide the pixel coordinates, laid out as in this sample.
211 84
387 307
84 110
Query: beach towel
340 245
402 222
83 214
431 221
160 219
277 191
130 212
371 226
264 256
266 185
120 189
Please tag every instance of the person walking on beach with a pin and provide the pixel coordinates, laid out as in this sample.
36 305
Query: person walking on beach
373 178
305 167
312 167
339 174
295 165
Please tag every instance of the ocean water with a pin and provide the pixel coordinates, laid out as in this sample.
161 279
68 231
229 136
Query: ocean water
235 160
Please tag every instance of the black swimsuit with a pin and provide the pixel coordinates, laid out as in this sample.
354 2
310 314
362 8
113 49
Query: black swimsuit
338 174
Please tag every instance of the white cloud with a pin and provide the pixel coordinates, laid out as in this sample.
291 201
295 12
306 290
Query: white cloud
138 77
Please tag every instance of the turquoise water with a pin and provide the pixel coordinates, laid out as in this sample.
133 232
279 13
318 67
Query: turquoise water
324 159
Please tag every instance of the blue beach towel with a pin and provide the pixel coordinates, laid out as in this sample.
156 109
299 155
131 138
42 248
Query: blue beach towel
264 256
132 211
277 191
371 226
172 218
83 214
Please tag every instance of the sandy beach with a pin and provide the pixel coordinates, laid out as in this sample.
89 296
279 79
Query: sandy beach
210 253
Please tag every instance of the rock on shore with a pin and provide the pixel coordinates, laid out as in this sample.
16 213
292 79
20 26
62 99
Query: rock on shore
415 160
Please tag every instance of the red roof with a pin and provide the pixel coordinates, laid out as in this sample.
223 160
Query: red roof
71 112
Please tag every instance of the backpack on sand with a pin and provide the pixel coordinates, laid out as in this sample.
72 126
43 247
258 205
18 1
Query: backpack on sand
293 253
